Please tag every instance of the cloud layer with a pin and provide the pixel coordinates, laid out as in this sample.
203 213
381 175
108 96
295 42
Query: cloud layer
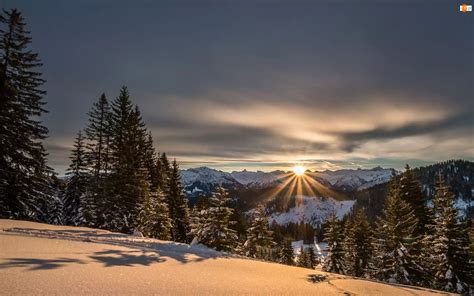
263 85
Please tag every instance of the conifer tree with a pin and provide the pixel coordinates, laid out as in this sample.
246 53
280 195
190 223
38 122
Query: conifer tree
334 261
448 245
302 260
259 241
311 258
128 175
286 255
98 134
357 244
178 205
76 206
164 169
211 227
410 191
394 260
24 175
153 218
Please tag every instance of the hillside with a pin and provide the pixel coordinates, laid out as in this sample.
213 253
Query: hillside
43 259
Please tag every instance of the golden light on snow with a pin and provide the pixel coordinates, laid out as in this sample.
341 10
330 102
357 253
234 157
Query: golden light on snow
299 170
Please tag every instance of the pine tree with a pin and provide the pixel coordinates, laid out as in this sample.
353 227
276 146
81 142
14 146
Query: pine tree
259 241
448 251
178 205
410 191
211 227
97 133
125 186
302 259
394 260
286 255
334 261
76 206
312 259
357 244
164 169
24 175
153 217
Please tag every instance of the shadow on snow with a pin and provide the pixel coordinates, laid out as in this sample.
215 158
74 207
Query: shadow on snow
145 252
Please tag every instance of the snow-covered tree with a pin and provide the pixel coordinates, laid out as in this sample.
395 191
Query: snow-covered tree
24 174
76 205
286 255
334 261
410 191
394 261
211 224
447 247
357 244
259 241
302 259
178 205
98 135
153 216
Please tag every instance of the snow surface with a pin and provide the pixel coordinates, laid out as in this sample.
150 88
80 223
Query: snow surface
312 209
41 259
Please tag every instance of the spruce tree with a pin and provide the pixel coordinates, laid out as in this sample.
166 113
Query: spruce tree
286 255
357 244
125 185
153 217
302 259
178 205
259 241
24 175
394 260
211 227
448 245
334 261
76 206
312 258
164 169
410 191
98 135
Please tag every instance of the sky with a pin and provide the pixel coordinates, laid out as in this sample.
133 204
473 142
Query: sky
263 85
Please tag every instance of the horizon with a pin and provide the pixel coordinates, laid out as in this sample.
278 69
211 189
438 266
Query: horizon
262 87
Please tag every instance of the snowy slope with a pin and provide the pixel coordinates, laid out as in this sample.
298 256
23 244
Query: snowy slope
41 259
313 210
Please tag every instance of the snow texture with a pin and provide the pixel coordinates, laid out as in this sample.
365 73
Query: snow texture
41 259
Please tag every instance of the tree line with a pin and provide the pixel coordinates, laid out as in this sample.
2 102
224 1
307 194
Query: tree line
411 243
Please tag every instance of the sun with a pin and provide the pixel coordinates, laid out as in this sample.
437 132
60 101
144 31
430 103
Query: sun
299 170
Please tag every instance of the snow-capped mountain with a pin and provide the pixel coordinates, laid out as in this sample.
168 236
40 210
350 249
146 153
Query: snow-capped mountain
350 180
198 180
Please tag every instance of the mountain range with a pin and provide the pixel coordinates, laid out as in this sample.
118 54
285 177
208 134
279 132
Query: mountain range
312 198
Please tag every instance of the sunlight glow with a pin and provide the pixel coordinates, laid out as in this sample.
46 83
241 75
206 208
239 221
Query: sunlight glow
299 170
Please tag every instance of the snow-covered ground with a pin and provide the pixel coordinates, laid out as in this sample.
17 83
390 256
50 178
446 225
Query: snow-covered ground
40 259
312 209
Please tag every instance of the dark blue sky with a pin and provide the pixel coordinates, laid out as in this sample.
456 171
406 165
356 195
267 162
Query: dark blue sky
262 84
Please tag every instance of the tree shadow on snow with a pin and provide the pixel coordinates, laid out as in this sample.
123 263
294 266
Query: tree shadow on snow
140 251
39 264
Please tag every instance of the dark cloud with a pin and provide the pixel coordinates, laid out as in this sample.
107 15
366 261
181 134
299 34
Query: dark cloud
332 62
457 125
